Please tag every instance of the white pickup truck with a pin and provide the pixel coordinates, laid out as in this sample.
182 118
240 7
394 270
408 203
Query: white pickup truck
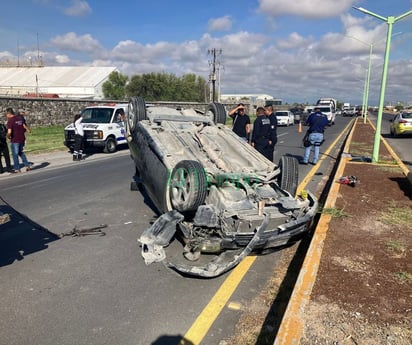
103 127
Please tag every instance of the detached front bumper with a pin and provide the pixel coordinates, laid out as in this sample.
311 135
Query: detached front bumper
231 250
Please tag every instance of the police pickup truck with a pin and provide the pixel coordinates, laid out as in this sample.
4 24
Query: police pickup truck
103 127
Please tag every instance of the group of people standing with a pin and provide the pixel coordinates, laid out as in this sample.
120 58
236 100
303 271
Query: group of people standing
263 136
15 132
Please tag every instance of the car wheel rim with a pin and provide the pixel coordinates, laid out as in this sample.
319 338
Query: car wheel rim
180 184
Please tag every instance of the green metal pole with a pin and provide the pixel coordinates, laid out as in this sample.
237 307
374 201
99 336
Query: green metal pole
364 95
368 79
375 154
390 21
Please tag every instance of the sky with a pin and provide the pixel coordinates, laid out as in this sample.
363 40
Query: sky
295 50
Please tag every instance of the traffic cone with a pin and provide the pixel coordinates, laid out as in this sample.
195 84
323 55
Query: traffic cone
300 127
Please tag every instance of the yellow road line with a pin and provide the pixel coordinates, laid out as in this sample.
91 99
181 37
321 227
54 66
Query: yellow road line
209 314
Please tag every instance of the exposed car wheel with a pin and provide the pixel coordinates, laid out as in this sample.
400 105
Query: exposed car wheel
110 146
188 186
219 112
289 174
136 112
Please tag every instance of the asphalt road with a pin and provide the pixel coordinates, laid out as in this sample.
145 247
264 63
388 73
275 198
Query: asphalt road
401 145
97 289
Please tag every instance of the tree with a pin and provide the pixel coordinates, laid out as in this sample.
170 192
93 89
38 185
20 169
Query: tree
167 87
114 87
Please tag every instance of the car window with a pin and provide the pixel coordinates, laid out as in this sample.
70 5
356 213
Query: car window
97 115
407 115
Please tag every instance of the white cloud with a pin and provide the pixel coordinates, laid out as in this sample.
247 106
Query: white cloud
71 41
62 59
78 8
220 24
294 41
304 8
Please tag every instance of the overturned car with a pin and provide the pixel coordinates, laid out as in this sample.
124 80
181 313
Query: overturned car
217 197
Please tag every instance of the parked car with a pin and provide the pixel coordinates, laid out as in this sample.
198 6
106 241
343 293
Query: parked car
103 127
215 194
285 118
401 124
349 111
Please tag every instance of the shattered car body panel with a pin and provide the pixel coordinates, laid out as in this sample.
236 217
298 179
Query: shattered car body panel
216 194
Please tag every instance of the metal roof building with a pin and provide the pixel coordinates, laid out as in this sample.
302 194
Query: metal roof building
64 81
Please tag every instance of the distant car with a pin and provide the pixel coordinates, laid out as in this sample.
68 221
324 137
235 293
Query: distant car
401 124
215 194
351 111
285 118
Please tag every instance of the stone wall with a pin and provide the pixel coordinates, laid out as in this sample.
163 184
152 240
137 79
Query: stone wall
52 111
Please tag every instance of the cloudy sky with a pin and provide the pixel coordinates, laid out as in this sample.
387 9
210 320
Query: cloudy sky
296 50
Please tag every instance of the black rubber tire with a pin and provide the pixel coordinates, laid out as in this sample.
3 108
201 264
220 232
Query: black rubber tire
136 112
188 186
219 112
110 146
289 174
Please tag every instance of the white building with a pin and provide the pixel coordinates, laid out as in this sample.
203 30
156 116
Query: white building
255 99
64 81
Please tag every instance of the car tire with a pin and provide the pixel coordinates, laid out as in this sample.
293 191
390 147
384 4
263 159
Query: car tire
188 186
136 112
110 145
289 174
219 112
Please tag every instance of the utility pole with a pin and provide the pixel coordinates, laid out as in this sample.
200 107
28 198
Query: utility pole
212 76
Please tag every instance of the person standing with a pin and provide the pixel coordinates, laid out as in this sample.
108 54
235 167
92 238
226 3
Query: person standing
317 123
78 137
241 121
16 129
4 149
264 136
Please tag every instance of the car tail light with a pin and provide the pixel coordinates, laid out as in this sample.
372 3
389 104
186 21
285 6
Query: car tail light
403 121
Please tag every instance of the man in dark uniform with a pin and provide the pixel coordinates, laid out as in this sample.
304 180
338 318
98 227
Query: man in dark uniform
264 136
241 121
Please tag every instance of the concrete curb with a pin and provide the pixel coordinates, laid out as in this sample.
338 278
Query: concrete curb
291 328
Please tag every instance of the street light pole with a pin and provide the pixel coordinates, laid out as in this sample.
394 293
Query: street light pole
368 75
368 79
390 21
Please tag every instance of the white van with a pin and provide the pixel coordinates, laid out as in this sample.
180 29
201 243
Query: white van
103 127
328 107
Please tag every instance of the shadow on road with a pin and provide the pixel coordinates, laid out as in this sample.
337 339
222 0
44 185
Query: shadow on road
21 236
